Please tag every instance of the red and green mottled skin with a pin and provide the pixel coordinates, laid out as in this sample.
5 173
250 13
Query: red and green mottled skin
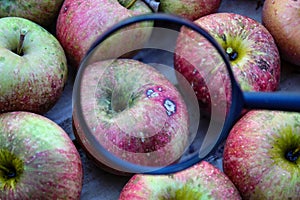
39 11
190 9
207 180
80 22
254 155
33 81
145 131
256 68
52 165
282 19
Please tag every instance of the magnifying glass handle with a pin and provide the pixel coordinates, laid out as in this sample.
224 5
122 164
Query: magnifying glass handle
285 101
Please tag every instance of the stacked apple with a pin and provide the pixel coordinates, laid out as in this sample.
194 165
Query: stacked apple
33 72
37 158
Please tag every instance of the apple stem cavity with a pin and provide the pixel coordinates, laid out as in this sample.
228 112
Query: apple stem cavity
293 155
232 54
23 33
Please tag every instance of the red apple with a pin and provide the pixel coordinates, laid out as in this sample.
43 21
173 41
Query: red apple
80 22
251 49
190 9
37 159
201 181
262 155
133 111
282 19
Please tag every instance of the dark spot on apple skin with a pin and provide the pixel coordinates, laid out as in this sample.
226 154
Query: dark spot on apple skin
263 65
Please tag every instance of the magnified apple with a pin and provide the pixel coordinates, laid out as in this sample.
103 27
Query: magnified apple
133 111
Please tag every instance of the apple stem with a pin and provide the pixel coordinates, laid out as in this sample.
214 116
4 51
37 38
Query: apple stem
153 4
23 33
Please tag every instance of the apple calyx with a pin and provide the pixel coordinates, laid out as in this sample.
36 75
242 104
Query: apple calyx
293 155
11 169
19 50
232 54
127 3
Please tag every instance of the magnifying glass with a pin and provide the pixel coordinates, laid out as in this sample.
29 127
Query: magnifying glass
135 107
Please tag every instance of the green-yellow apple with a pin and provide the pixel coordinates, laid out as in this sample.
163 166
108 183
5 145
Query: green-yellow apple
37 159
201 181
41 12
33 66
262 155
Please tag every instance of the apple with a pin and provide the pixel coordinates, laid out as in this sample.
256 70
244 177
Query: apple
37 159
201 181
262 155
80 22
33 66
189 9
41 12
282 19
133 111
250 48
